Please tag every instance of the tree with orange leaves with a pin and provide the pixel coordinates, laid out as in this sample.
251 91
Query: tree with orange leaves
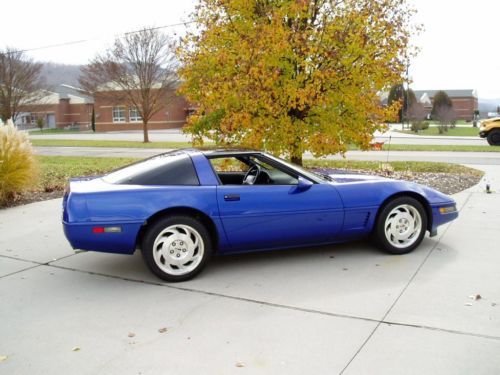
292 76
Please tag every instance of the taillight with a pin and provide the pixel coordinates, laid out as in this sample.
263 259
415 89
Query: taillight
106 229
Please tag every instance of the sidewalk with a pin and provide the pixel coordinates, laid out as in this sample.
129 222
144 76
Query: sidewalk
481 158
338 309
175 135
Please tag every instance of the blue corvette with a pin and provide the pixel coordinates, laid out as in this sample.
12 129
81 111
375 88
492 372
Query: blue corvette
183 206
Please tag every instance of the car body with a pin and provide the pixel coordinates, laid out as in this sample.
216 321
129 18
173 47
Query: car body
192 202
490 129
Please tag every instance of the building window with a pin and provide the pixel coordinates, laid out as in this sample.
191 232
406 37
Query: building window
118 114
133 115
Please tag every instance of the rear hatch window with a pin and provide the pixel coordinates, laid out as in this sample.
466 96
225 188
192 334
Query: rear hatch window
174 168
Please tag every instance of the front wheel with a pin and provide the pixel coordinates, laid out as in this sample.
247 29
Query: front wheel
494 137
401 225
176 248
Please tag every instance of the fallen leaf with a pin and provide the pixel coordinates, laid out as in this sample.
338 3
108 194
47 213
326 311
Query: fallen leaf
75 349
468 304
131 334
163 330
493 304
240 364
475 297
344 269
3 358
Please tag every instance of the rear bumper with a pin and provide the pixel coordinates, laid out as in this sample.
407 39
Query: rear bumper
81 236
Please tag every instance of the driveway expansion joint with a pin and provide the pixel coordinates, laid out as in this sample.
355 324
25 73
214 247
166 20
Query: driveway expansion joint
286 307
383 321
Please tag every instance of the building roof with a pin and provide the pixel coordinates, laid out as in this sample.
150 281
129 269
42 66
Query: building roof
74 94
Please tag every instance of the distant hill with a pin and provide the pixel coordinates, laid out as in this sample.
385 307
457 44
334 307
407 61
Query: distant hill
56 74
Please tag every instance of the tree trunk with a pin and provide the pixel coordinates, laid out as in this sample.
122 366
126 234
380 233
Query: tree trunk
145 131
297 160
295 151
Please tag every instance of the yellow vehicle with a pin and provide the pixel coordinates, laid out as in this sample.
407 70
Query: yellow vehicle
490 129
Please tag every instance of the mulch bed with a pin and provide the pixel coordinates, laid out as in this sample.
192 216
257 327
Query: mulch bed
447 183
33 196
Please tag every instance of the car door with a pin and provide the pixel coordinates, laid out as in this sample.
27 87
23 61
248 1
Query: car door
268 216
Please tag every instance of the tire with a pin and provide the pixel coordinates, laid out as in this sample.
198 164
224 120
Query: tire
494 137
180 258
401 225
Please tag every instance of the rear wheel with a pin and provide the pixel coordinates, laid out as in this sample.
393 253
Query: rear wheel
401 225
176 248
494 137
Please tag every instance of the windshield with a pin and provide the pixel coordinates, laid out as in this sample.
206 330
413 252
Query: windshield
316 177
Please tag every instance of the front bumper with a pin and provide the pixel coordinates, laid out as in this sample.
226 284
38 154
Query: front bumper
483 133
442 214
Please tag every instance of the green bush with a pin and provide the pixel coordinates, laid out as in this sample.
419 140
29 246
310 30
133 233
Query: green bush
18 166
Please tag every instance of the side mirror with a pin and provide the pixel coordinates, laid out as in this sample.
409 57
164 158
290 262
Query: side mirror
302 185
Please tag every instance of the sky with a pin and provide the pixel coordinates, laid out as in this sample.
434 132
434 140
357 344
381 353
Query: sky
459 48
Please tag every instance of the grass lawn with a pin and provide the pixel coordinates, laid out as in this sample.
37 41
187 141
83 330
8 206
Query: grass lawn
403 166
452 132
58 131
90 143
458 148
170 145
56 170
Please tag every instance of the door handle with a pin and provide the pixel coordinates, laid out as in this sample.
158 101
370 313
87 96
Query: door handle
231 197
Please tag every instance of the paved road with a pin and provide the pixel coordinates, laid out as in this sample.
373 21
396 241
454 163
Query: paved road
346 309
484 158
176 136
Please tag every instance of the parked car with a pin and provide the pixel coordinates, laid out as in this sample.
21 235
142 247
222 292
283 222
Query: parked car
490 129
181 207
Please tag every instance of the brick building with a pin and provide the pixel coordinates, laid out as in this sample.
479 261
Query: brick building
64 107
464 102
114 115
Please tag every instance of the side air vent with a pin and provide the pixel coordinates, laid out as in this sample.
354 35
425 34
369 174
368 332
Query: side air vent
367 219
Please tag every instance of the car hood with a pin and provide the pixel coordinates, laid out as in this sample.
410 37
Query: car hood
359 189
345 178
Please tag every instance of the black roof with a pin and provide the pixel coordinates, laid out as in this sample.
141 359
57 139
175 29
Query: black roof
222 151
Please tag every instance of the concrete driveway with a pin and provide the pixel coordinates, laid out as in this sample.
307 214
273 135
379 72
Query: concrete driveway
330 310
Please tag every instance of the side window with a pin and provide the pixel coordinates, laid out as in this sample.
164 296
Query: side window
228 164
250 170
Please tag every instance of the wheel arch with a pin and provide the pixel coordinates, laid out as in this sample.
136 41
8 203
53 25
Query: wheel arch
186 211
491 133
420 198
